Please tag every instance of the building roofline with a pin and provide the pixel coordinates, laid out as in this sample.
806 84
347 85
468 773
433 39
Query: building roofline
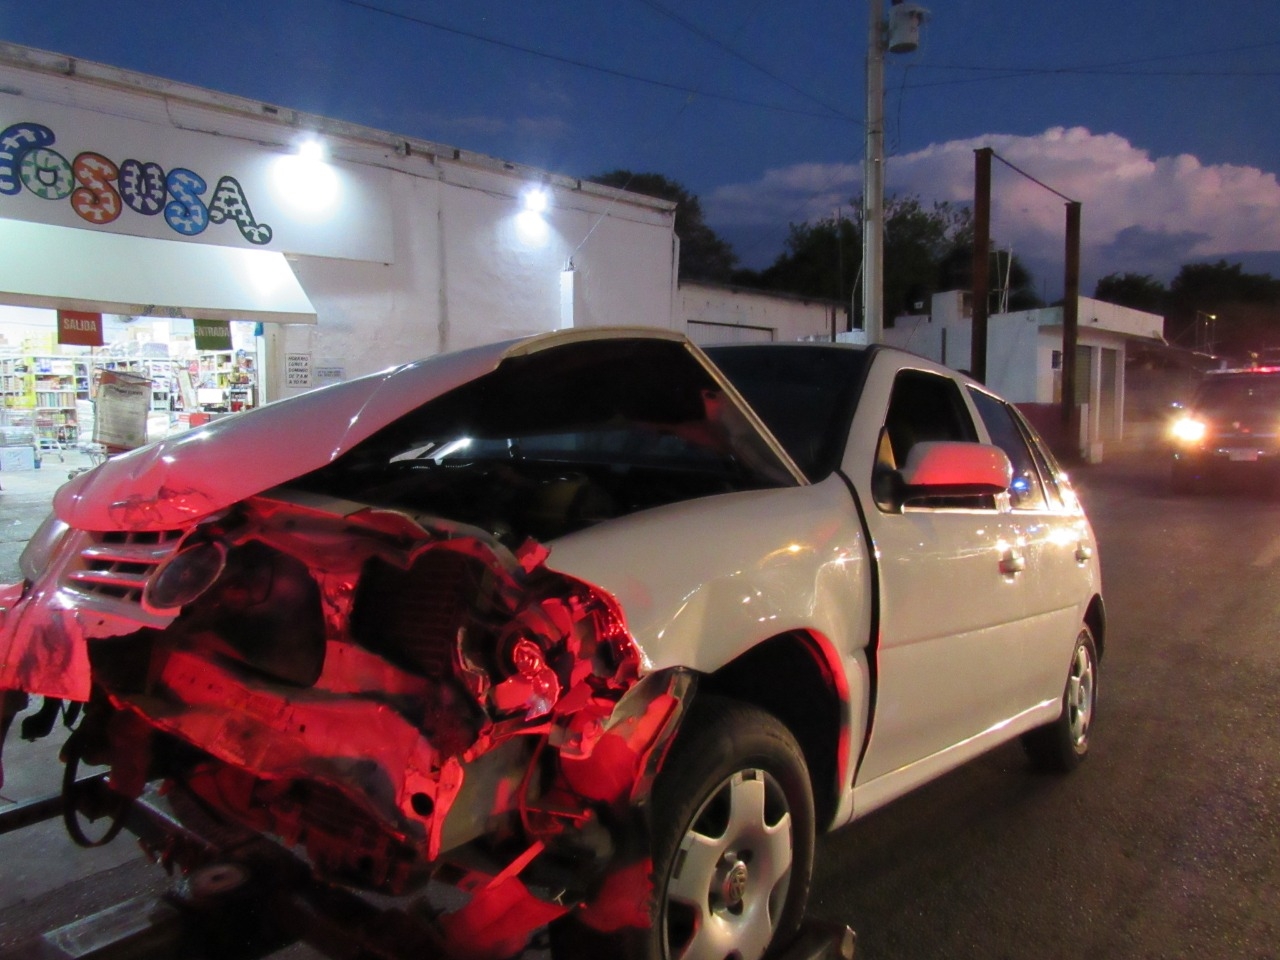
58 65
757 291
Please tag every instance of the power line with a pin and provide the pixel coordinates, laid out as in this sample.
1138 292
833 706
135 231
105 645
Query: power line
716 42
1005 73
1132 62
1118 68
597 68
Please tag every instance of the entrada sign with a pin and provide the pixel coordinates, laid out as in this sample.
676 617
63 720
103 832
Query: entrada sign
100 190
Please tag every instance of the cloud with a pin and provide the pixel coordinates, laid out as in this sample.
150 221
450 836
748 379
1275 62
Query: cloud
1139 213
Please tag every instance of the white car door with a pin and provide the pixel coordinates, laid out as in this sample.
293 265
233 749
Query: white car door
951 587
1057 547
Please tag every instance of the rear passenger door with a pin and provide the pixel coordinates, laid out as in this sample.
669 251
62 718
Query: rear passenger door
1055 542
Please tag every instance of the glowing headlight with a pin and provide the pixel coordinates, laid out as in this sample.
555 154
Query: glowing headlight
1188 430
41 547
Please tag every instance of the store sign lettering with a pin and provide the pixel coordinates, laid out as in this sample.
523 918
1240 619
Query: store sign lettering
99 190
78 327
213 335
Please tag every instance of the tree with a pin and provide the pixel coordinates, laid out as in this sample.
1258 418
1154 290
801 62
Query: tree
1138 291
925 250
916 243
1239 312
1006 275
819 259
703 254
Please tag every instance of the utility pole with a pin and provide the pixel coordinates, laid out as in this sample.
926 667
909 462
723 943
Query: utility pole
1071 325
981 261
901 34
873 181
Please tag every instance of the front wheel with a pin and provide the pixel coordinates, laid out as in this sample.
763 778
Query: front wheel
732 841
1182 478
1062 745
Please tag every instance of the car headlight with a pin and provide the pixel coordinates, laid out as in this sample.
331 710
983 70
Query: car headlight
41 547
1188 430
184 577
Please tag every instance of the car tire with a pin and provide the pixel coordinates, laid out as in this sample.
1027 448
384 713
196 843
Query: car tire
1182 479
1062 745
732 840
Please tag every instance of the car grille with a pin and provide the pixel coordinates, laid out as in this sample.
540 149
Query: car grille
116 566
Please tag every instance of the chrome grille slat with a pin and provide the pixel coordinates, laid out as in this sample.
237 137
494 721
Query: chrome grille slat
110 578
115 567
151 554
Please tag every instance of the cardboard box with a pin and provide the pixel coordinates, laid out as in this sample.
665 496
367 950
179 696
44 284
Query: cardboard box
17 458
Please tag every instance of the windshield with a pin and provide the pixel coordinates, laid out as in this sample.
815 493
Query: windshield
1239 393
562 438
805 394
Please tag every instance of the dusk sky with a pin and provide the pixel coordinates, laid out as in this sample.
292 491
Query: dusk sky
1162 118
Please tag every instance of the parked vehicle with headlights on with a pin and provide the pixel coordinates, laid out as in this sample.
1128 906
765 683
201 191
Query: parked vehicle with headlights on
1230 430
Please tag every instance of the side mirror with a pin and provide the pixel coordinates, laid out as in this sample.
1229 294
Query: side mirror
955 469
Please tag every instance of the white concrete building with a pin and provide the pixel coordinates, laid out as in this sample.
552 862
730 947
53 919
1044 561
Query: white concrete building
1024 355
716 313
124 194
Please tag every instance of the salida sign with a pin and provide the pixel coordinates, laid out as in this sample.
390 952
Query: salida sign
101 190
84 329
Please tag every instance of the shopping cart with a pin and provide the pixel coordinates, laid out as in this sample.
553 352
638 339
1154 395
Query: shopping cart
96 452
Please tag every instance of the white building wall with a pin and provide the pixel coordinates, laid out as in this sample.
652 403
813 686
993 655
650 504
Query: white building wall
1013 357
920 334
712 313
470 269
1024 353
430 251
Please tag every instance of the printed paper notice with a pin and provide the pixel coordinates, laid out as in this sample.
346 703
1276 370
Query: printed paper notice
327 372
121 405
297 373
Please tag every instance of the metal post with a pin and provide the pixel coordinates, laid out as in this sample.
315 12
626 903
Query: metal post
873 182
981 261
1070 324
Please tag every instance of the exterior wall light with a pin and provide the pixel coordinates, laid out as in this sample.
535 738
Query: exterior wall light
535 200
311 150
304 182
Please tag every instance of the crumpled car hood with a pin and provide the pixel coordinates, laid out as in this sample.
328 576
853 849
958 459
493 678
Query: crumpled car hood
174 481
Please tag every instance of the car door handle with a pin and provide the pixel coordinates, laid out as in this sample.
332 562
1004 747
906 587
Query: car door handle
1084 552
1012 562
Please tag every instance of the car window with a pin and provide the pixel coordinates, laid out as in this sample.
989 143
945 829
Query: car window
804 394
1026 491
925 407
1050 470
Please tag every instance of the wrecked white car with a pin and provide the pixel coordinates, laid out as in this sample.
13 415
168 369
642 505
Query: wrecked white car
596 626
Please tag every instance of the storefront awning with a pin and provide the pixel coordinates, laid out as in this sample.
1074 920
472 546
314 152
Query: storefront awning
72 269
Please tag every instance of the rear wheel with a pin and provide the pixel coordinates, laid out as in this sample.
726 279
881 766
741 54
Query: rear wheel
1063 744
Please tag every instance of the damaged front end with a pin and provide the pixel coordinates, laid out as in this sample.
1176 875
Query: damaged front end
331 621
397 698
